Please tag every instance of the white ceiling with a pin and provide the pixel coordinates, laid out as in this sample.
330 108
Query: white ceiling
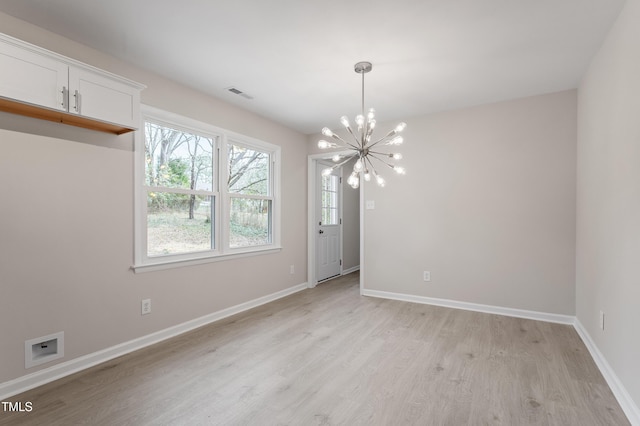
296 57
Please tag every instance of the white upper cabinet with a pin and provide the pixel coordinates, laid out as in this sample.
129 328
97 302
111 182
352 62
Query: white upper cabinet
31 77
100 97
42 84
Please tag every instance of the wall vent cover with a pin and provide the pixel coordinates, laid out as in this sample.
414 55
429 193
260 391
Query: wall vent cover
237 91
43 349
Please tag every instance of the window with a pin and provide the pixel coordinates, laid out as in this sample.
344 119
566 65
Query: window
179 170
202 193
329 199
249 196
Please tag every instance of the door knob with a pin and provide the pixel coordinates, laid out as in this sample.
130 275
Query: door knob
321 232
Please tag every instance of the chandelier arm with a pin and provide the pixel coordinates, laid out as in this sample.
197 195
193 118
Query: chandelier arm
350 130
362 141
343 141
342 163
382 139
352 146
358 141
347 159
373 168
385 154
375 172
367 138
382 161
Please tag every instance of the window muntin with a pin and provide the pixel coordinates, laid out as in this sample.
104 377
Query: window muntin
216 196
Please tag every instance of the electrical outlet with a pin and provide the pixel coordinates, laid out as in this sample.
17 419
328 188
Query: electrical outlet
146 306
602 320
292 270
426 275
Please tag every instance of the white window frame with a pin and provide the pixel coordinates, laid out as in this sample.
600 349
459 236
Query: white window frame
221 220
226 219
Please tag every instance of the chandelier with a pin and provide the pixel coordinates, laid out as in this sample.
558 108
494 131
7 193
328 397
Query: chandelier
362 147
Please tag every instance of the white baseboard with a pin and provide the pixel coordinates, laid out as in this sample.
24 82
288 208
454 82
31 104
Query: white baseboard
489 309
350 270
30 381
624 399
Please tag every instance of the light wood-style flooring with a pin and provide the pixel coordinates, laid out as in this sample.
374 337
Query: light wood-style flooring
328 356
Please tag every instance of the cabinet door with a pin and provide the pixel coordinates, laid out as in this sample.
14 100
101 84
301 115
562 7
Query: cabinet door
103 98
30 77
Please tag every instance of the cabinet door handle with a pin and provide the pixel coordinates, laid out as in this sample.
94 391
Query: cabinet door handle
65 97
76 96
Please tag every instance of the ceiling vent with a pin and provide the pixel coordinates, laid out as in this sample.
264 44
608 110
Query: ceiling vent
236 91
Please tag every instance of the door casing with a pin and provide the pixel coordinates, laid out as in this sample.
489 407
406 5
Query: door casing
312 164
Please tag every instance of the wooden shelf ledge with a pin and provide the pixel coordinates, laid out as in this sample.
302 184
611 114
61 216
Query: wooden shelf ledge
14 107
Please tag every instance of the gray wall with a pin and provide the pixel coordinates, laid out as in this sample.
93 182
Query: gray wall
608 202
487 206
66 225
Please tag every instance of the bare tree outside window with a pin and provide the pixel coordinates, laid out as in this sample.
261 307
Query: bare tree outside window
248 171
174 159
189 193
250 209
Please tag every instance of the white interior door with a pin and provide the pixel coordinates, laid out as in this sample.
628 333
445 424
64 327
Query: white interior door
328 261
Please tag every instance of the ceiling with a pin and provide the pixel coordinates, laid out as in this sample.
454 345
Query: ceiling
296 57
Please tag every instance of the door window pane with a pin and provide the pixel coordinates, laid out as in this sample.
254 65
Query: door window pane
329 200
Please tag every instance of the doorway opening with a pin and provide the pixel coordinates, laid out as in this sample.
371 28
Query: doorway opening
334 237
329 219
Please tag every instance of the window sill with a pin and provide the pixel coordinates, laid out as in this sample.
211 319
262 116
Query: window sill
161 264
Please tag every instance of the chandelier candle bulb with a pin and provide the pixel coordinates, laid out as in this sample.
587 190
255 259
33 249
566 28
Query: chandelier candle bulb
353 180
396 141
